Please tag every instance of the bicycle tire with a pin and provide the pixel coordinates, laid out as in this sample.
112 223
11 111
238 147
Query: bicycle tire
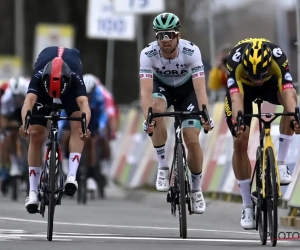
182 193
14 186
261 211
272 197
51 204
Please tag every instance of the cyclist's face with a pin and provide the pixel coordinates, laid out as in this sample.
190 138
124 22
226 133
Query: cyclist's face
167 40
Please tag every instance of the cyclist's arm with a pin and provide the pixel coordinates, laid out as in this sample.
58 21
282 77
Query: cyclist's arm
29 102
103 118
285 83
83 104
198 78
146 83
234 84
81 96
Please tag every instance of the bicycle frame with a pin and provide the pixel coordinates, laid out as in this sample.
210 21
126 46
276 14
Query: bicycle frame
265 133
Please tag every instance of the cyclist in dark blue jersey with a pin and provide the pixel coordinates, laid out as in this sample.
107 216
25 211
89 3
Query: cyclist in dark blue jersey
57 77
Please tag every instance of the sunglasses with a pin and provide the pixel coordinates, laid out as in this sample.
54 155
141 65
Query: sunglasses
166 35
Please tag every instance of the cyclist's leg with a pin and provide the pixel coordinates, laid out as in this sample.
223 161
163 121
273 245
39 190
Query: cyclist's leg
161 101
191 129
37 130
15 122
75 143
240 159
273 96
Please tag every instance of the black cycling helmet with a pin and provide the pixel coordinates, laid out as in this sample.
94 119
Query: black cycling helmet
257 59
56 77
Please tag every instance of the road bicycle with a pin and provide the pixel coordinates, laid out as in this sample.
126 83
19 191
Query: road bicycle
51 185
266 173
179 193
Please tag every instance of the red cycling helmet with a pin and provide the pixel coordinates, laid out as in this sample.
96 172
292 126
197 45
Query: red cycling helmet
56 78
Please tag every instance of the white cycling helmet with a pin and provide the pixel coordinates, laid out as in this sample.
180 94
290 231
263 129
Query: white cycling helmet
90 82
19 85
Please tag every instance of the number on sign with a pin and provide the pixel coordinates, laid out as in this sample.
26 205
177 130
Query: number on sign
111 25
138 3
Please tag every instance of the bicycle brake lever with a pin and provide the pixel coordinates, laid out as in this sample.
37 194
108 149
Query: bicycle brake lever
297 115
27 120
149 119
205 116
83 123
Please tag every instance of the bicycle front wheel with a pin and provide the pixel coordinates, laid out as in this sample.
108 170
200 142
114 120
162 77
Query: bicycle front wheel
51 204
182 193
272 196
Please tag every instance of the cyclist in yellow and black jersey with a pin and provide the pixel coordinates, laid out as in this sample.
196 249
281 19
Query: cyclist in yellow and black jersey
258 67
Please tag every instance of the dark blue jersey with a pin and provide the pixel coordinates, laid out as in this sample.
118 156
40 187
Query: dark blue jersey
71 57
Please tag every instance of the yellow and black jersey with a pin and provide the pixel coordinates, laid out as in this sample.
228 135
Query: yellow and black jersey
237 76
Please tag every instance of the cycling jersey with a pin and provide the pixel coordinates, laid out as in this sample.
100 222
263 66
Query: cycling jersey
237 76
110 105
172 72
98 113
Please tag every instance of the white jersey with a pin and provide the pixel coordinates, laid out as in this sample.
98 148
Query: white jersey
172 72
7 103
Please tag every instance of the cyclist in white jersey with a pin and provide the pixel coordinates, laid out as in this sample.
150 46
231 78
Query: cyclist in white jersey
172 73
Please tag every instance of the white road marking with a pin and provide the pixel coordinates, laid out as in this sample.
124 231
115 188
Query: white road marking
134 238
123 226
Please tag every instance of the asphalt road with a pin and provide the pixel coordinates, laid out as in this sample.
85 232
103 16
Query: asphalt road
137 221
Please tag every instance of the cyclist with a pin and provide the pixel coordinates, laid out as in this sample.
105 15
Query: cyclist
172 73
11 105
96 126
3 147
256 66
113 122
57 78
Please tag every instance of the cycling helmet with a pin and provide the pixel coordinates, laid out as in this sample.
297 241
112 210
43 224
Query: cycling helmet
19 85
256 59
166 21
90 82
56 78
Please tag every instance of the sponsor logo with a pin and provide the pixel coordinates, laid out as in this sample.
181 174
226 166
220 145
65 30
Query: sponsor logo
234 90
287 86
172 72
198 75
227 108
285 63
277 52
145 71
190 107
38 74
161 89
197 69
237 55
151 53
288 77
76 157
32 172
187 51
228 67
60 51
146 76
230 82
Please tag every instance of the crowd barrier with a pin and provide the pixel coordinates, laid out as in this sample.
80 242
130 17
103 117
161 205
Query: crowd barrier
134 162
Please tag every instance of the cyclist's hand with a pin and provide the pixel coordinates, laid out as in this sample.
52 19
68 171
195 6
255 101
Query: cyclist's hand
22 132
295 126
239 134
82 137
149 128
207 125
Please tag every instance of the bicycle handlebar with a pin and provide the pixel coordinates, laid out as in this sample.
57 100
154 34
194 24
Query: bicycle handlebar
240 116
203 113
52 117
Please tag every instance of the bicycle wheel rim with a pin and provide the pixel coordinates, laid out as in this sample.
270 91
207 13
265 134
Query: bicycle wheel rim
261 213
51 205
273 198
182 192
